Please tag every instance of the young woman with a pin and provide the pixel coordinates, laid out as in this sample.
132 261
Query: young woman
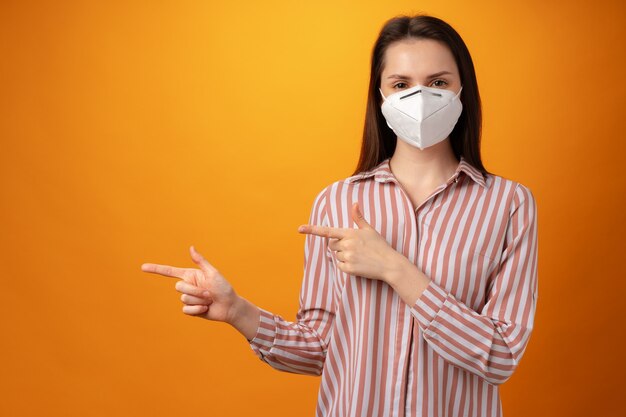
420 276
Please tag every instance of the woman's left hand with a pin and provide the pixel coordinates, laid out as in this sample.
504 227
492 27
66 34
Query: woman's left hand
362 251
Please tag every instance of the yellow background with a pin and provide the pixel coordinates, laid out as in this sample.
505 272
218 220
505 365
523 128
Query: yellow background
131 130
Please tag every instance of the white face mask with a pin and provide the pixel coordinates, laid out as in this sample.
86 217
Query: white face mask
422 116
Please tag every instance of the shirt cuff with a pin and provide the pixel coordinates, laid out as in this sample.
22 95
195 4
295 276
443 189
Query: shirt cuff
265 335
429 304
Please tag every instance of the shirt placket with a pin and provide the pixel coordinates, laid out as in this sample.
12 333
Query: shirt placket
406 322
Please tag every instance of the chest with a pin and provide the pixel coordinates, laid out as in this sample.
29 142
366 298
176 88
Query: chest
419 195
453 233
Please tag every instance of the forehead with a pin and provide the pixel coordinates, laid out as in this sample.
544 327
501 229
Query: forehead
418 57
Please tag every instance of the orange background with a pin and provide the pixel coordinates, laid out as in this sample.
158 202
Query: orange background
131 130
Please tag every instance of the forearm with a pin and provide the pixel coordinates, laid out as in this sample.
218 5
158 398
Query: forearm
483 343
245 318
492 349
297 347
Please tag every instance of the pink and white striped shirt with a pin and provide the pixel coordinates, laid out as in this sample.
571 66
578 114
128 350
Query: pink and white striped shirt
475 237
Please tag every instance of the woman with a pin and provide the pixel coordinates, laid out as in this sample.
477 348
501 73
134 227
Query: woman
420 276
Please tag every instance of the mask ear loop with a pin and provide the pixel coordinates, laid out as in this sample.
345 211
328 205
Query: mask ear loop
381 92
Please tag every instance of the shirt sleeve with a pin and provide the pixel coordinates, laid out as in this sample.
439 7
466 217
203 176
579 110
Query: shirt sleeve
300 347
490 343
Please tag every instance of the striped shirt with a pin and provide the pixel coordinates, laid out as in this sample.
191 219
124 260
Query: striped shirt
475 237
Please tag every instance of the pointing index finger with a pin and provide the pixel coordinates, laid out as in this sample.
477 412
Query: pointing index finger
165 270
322 231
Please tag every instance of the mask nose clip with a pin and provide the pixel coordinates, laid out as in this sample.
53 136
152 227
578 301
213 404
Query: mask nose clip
411 94
420 91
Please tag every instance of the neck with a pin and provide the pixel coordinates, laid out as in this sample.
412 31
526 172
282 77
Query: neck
427 167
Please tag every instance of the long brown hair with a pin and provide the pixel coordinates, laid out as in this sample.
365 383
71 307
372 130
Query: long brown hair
379 141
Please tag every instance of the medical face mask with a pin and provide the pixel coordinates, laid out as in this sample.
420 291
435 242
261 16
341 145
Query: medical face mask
422 116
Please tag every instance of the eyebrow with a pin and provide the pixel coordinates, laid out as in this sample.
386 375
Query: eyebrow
406 77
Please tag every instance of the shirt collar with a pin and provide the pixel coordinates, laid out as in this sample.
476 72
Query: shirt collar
382 173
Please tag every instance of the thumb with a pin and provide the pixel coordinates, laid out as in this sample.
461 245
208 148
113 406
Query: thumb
358 218
199 260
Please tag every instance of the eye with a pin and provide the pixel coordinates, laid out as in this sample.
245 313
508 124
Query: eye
403 85
439 83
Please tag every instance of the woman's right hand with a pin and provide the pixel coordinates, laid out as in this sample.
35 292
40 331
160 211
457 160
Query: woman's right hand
205 292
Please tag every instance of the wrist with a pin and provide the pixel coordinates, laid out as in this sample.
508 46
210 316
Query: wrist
398 267
244 317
